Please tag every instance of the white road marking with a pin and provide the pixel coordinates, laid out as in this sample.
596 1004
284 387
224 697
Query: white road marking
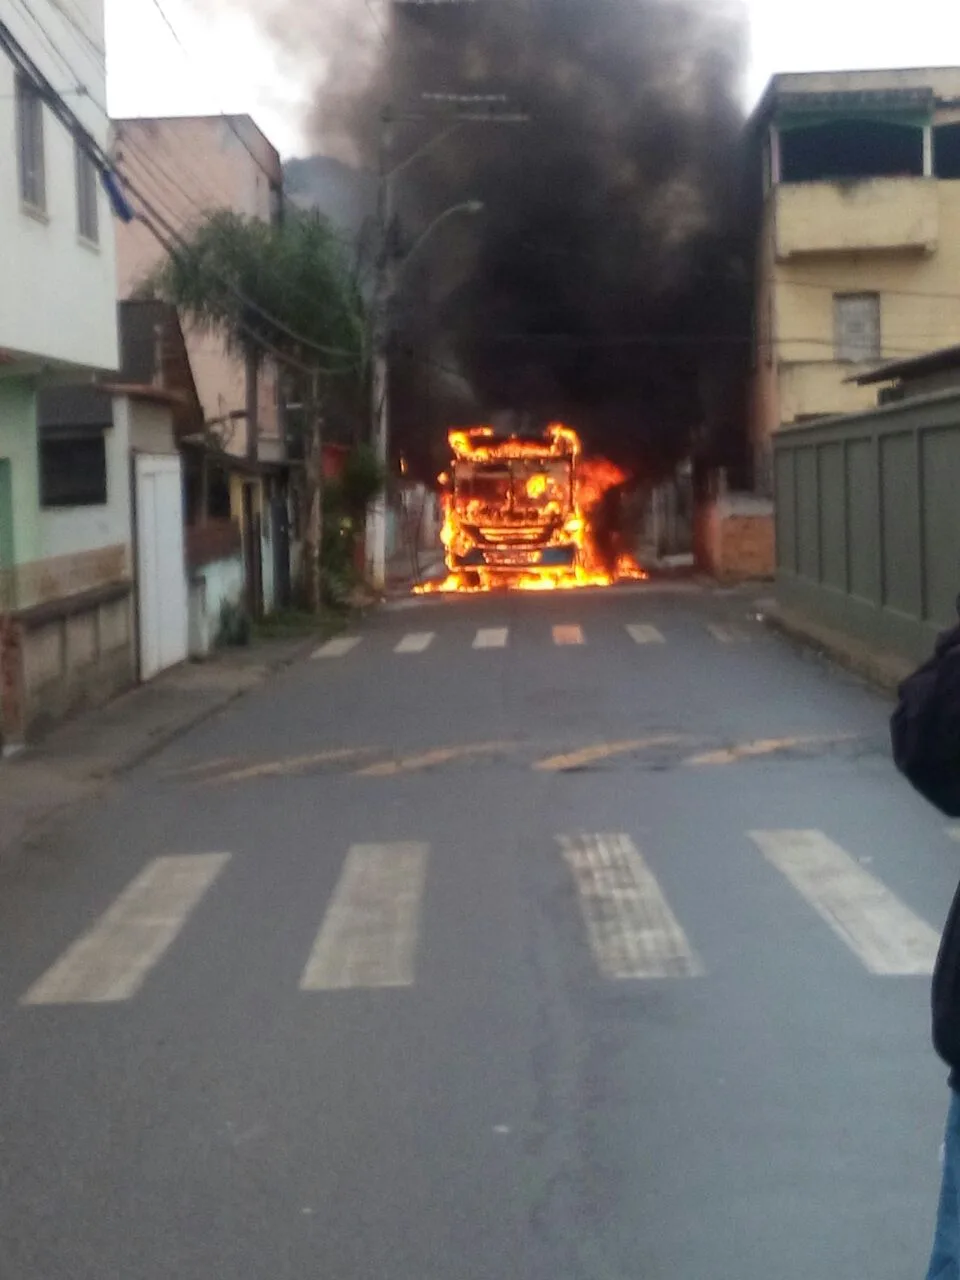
338 647
415 642
632 931
728 635
569 634
641 633
491 638
884 934
112 960
369 935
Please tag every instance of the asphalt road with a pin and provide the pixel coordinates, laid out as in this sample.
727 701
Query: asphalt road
539 948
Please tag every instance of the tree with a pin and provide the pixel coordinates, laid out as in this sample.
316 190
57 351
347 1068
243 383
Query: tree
289 292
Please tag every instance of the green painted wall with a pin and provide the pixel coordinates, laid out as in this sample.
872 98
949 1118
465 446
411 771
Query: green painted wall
868 522
18 448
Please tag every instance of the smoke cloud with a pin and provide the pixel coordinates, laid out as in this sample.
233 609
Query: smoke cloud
604 282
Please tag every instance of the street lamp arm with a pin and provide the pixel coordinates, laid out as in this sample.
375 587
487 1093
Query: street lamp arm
467 206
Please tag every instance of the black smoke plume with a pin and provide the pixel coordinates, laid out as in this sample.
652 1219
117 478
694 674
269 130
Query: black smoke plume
604 282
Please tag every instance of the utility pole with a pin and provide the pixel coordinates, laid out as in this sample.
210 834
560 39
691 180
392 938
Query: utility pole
316 511
452 110
383 289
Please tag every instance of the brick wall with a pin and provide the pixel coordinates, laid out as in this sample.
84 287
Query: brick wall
735 537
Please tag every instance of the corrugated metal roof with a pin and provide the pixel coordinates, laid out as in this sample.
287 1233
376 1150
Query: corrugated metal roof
945 358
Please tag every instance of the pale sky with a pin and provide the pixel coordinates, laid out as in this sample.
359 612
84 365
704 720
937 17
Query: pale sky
228 66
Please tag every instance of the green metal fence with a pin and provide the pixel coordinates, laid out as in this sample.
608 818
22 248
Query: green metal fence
868 522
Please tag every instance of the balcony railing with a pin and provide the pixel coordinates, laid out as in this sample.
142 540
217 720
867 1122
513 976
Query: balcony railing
875 215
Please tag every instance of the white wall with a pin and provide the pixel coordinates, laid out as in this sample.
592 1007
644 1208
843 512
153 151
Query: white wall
58 300
138 426
67 530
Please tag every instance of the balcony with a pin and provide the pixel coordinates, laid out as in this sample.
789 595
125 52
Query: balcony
873 215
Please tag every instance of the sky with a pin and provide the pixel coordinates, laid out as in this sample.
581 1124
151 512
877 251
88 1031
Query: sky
224 65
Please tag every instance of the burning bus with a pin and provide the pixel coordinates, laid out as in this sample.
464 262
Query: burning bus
520 512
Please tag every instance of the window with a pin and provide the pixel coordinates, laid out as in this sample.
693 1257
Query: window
73 471
848 150
88 222
856 318
33 185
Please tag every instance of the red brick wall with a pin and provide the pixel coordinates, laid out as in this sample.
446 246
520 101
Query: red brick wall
747 547
732 544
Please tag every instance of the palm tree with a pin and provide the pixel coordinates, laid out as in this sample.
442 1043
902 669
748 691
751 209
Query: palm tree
288 292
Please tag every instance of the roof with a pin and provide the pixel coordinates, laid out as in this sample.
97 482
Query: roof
939 361
154 368
901 88
235 121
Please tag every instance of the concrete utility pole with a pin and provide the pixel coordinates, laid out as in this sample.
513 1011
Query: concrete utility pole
383 287
388 277
451 110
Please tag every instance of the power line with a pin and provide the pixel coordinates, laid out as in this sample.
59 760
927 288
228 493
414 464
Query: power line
84 35
58 53
230 122
172 241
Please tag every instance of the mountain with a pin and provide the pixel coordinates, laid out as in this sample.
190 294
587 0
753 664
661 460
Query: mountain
347 196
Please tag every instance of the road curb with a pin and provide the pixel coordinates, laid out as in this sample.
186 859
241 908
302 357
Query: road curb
36 822
881 669
164 739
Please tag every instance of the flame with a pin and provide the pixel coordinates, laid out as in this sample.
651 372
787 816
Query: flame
564 493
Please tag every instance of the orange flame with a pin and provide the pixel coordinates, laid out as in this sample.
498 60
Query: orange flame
566 515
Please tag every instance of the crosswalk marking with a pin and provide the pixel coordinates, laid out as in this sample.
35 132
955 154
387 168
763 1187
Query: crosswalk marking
728 635
368 938
632 931
643 633
415 642
111 961
491 638
338 647
885 935
568 634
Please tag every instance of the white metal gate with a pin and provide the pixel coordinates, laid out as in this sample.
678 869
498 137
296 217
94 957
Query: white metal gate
161 579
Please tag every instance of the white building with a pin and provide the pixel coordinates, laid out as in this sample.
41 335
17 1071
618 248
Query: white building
58 322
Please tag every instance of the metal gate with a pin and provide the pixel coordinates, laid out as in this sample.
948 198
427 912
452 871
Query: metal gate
161 580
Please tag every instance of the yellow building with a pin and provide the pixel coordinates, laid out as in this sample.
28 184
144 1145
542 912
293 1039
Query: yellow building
859 244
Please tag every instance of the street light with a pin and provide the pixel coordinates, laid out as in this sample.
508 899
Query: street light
389 272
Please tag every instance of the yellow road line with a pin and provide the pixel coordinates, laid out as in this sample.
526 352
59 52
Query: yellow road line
274 768
602 751
765 747
206 766
426 759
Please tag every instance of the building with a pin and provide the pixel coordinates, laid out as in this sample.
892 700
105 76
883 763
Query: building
186 167
858 255
925 375
62 596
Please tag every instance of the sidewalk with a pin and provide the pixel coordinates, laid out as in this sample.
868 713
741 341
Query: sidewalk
882 669
79 757
400 569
